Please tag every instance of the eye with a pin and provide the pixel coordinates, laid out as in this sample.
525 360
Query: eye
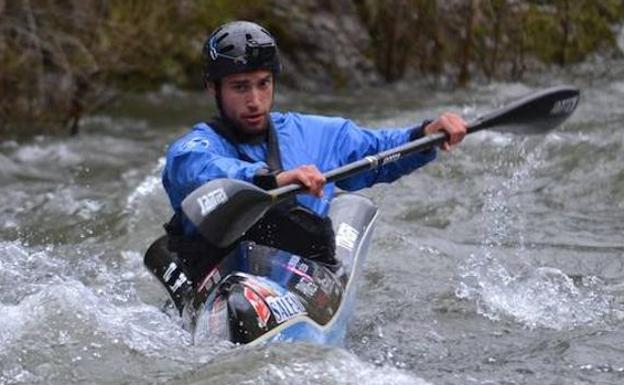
240 87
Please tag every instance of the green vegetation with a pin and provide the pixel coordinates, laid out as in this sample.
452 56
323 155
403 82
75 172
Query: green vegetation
61 59
495 38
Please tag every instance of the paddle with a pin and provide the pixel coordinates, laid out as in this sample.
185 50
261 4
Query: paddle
224 209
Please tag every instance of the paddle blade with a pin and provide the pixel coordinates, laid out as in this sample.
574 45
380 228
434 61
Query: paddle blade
536 113
224 209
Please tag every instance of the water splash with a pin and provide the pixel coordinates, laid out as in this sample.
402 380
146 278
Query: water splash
77 327
535 297
49 152
147 205
278 364
147 187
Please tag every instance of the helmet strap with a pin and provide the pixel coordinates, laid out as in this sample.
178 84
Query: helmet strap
217 90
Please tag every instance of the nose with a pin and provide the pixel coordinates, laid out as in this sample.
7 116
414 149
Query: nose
253 99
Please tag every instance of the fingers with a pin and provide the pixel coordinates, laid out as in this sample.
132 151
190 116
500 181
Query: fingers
308 176
453 125
312 179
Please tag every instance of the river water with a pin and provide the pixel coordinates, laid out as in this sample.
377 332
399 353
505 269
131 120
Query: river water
500 263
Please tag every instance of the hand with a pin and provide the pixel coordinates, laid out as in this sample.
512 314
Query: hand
308 176
451 123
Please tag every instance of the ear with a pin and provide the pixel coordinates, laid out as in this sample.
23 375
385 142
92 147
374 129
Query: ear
211 88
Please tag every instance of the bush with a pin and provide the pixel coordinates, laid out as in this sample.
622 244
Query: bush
64 58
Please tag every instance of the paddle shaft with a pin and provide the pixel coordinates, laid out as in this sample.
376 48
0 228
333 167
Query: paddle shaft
373 161
544 110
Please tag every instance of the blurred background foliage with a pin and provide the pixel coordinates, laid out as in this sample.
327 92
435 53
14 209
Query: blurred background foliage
62 59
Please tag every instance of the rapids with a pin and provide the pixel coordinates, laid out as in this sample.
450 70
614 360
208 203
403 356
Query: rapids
500 263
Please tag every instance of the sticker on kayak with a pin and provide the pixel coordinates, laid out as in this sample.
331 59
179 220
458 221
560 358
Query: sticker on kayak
218 319
259 306
210 281
306 287
346 236
211 200
285 307
297 266
262 286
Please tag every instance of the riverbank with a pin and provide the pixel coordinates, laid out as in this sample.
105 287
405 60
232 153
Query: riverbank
62 63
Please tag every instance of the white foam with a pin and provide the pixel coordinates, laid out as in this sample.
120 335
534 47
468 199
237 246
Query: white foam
297 364
148 199
532 296
59 154
544 297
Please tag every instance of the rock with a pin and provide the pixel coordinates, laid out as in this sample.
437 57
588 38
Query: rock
323 45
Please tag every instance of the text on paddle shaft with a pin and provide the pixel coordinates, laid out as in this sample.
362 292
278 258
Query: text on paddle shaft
211 200
375 161
564 106
391 158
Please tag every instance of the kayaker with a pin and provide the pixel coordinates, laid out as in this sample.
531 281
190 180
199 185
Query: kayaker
248 141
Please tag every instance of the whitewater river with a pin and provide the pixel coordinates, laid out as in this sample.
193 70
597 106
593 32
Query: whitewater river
501 263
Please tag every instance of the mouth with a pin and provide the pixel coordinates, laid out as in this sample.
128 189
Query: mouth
253 120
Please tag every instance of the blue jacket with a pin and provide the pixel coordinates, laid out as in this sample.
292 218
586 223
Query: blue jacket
327 142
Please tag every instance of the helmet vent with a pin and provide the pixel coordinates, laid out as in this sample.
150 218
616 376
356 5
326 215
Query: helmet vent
227 48
220 38
237 47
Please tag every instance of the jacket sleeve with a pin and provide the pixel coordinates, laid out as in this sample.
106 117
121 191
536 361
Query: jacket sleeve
355 143
198 158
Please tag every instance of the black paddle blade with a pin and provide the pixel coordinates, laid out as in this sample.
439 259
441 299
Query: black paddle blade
223 209
536 113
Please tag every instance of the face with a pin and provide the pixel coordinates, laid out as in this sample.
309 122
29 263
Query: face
247 98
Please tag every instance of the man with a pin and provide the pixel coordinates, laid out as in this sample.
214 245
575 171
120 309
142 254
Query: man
248 141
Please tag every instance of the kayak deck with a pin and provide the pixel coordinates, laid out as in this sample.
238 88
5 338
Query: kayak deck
260 294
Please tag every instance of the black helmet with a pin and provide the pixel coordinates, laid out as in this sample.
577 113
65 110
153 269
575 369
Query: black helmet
239 46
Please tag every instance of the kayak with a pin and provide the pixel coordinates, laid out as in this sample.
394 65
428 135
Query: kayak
261 294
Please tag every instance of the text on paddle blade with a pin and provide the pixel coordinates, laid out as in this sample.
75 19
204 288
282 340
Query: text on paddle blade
209 201
565 106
